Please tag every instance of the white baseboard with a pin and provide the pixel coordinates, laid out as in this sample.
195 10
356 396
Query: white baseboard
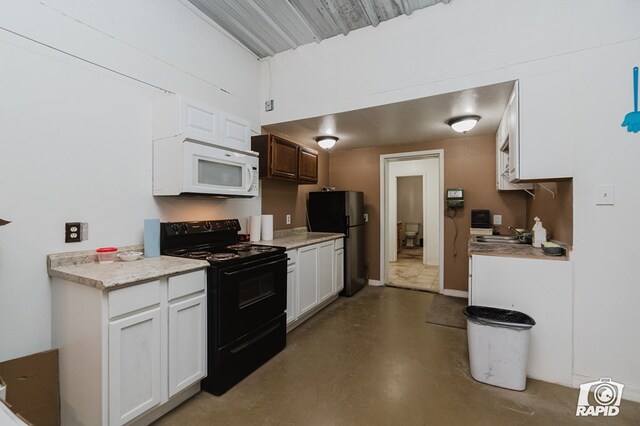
630 393
376 283
456 293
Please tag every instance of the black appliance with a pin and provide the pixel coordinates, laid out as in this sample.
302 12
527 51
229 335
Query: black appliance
480 219
342 211
246 297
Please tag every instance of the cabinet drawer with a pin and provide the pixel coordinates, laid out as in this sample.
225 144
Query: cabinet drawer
293 257
181 285
130 299
339 243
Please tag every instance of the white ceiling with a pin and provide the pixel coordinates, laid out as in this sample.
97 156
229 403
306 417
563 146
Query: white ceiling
412 121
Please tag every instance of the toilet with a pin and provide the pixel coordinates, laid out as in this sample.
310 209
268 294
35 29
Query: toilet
411 231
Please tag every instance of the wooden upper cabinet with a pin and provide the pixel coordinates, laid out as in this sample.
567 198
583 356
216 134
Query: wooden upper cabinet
307 165
285 160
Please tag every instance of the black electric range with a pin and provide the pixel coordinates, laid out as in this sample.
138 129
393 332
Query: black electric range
246 296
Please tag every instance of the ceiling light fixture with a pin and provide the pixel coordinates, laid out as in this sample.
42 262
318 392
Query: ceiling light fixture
326 142
464 124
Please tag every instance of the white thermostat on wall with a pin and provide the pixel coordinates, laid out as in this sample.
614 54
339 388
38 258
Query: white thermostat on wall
455 197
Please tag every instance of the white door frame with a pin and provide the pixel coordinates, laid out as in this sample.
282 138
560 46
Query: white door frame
385 159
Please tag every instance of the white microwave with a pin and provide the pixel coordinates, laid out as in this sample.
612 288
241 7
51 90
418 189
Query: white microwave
183 166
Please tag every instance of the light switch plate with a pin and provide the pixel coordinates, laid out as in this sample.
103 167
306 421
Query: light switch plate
605 195
366 217
497 219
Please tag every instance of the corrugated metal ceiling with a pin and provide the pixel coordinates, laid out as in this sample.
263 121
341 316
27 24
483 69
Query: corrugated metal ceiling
267 27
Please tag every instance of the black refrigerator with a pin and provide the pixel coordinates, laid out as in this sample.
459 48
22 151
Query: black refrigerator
342 211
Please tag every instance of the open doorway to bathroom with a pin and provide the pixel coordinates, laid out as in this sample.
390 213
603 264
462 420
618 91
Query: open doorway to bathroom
411 269
412 220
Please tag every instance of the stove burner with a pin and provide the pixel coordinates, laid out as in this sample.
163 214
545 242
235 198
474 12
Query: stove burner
262 249
198 254
239 247
222 256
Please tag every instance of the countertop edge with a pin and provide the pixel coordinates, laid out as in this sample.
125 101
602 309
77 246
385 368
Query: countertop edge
67 273
298 240
498 250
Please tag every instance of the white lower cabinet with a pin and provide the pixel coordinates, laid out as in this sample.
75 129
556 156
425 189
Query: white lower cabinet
540 288
187 342
307 278
339 264
326 272
292 288
134 365
126 354
312 279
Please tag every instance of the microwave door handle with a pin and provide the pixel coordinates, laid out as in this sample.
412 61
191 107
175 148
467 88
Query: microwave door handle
249 177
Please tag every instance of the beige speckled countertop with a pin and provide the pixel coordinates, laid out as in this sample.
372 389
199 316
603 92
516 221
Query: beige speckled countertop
298 237
513 250
82 267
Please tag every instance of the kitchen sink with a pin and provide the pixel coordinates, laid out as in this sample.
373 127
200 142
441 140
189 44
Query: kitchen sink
498 239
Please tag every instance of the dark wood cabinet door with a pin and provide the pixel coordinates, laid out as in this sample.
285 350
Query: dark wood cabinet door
307 166
284 158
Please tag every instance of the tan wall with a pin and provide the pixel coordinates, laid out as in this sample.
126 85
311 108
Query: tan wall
280 198
556 212
469 164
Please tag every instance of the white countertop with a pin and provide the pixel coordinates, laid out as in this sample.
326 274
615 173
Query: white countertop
83 268
300 239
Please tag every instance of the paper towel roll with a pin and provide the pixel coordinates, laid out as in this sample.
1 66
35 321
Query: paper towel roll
267 227
254 227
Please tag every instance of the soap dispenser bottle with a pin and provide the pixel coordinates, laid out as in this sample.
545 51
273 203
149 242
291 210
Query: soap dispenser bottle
539 233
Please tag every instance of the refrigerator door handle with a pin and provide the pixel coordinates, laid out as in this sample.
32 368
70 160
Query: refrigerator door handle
348 225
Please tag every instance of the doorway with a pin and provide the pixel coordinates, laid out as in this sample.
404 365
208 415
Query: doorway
412 220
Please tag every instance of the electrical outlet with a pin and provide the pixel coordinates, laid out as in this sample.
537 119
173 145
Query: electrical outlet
366 217
72 232
288 219
268 105
497 219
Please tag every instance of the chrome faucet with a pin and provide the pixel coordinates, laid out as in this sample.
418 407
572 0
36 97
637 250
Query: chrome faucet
518 233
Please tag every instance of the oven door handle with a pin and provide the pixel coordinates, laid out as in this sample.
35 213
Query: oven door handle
254 339
242 271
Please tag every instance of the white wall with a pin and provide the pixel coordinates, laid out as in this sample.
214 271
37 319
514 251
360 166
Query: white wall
429 169
471 43
76 139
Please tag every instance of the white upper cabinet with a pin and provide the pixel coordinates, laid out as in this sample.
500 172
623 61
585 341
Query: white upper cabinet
235 132
507 147
178 115
540 144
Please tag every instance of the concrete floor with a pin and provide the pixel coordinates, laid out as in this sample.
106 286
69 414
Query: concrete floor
372 359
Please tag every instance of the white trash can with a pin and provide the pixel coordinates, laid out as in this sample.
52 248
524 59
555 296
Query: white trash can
498 346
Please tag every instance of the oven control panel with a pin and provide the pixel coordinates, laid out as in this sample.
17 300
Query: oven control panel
183 228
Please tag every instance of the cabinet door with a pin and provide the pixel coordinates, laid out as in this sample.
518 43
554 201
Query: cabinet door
307 165
134 365
198 120
325 271
284 158
307 278
292 311
513 132
339 269
235 132
187 343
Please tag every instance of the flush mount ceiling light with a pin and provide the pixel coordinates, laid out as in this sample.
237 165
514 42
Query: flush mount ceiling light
464 124
326 142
